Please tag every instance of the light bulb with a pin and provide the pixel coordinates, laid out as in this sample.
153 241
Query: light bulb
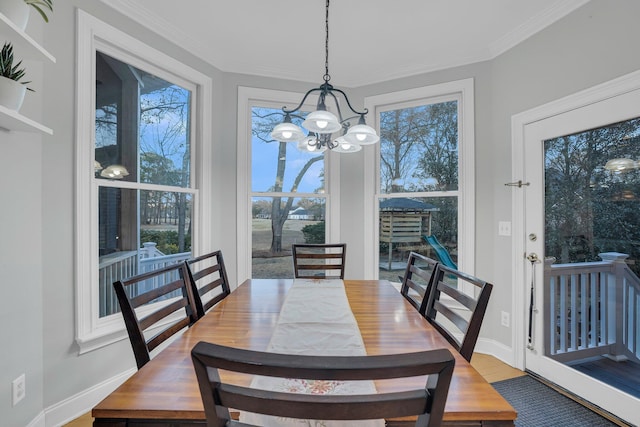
346 145
361 136
287 134
322 124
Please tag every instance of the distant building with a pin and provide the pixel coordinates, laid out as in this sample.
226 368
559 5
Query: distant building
300 213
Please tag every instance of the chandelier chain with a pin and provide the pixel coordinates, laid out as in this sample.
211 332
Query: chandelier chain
327 77
322 123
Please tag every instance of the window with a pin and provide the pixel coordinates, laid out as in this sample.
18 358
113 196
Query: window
424 177
139 188
287 188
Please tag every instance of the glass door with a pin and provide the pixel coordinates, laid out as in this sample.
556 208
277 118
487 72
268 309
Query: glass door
582 226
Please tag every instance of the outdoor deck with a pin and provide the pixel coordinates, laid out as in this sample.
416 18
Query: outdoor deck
592 309
624 375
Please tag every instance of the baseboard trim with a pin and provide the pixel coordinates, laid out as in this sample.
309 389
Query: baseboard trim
71 408
496 349
37 421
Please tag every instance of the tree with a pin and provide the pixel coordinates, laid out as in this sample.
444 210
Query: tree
589 209
400 132
165 153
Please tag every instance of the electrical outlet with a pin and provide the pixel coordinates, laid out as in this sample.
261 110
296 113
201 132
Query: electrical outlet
504 318
18 387
504 228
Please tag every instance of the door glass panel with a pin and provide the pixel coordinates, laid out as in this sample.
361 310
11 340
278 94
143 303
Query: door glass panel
592 252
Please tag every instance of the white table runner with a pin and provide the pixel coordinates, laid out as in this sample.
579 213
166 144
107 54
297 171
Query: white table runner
315 319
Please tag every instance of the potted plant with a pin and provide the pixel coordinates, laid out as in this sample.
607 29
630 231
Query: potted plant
17 11
41 6
12 90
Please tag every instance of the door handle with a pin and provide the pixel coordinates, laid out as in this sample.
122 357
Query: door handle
533 257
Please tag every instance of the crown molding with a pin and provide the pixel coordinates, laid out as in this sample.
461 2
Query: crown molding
534 25
166 29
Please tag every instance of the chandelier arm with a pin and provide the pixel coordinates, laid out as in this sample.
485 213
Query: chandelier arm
304 98
335 99
366 110
348 119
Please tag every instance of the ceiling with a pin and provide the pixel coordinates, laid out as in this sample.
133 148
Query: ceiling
369 40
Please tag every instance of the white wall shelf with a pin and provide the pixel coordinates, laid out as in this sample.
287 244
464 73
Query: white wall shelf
24 47
11 120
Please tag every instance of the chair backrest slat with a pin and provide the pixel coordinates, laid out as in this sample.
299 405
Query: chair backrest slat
156 292
208 277
163 294
218 396
313 261
418 280
163 335
162 313
449 281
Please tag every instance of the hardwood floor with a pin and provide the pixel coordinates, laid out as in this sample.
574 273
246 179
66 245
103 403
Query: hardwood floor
489 367
85 420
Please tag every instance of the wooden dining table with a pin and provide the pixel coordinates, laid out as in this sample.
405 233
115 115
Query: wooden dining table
165 392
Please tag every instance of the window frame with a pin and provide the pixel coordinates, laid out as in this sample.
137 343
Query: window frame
249 97
463 92
93 35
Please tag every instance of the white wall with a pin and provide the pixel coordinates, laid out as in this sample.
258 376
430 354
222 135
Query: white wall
592 45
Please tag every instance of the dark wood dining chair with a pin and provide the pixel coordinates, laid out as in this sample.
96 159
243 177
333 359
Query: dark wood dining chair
418 280
209 279
467 314
319 261
151 299
218 397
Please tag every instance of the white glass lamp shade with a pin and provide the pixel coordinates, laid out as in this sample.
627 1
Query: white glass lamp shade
362 135
114 172
346 147
322 121
620 165
287 132
308 144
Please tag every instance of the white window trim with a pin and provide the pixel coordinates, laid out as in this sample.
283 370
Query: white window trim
463 90
248 97
93 332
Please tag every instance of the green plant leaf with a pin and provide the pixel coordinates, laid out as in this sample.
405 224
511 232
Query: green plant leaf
8 69
40 6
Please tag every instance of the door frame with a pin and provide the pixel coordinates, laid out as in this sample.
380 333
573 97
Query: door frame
521 275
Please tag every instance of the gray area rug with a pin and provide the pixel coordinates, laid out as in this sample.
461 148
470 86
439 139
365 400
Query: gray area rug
541 406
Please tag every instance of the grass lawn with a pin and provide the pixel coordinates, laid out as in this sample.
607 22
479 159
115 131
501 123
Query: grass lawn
265 266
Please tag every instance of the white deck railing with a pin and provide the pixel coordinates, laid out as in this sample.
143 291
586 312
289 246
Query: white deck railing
130 263
592 309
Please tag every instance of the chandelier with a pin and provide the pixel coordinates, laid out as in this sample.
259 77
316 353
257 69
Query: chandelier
323 124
